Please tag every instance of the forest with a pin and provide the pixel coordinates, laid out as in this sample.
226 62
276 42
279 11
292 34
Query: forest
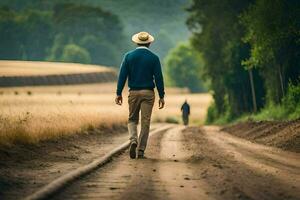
251 50
61 34
97 32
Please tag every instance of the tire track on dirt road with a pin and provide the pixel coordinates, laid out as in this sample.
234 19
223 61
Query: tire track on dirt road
163 175
53 187
194 163
231 172
282 165
176 171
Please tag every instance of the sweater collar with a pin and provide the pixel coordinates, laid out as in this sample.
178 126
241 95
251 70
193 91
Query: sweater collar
142 47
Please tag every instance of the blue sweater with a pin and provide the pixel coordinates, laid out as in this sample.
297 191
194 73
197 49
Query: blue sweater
142 67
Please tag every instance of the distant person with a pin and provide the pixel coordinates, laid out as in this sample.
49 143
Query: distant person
185 109
143 70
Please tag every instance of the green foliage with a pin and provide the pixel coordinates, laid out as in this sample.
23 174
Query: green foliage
291 101
215 117
32 34
212 114
288 110
9 37
271 112
164 19
74 53
217 35
172 120
101 51
98 31
183 67
37 33
261 35
272 30
57 48
24 34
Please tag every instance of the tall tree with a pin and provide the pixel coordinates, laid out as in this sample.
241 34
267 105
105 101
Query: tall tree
217 34
273 31
37 35
33 34
25 35
183 67
99 31
9 35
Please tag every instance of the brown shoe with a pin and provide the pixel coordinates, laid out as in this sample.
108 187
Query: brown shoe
132 150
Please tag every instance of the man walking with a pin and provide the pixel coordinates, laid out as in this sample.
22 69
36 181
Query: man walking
185 109
143 70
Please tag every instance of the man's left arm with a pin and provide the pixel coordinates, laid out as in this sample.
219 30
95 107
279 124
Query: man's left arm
159 81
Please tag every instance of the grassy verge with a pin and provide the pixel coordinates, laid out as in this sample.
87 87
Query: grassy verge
289 109
272 112
269 113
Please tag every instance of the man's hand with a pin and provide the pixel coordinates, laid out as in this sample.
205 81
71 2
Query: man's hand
119 100
161 103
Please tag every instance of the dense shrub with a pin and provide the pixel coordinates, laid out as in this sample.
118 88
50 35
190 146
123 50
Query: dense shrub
75 53
291 101
183 68
212 114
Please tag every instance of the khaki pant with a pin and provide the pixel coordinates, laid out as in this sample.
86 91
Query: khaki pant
140 100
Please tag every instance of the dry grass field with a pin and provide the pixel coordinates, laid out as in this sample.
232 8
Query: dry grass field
31 114
38 117
31 68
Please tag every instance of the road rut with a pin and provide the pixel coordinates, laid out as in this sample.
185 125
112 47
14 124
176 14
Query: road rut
194 163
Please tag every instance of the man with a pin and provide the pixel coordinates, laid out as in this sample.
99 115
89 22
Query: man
143 70
185 109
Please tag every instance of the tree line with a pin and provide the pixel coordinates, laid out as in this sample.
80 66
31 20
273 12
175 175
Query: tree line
164 19
251 50
67 32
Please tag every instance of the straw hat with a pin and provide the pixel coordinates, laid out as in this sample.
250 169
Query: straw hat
142 38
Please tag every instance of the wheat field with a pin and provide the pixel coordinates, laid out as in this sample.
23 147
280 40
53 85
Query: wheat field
32 68
32 114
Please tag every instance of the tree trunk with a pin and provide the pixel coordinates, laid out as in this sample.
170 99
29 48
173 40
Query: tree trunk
252 91
281 81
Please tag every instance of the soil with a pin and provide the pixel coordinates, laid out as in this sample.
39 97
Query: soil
194 163
181 163
26 168
282 134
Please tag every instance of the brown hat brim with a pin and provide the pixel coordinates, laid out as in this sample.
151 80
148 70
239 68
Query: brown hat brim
135 39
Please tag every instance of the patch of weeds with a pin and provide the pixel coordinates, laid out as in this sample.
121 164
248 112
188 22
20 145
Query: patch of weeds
172 120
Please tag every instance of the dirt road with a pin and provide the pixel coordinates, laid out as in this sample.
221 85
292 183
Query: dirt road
194 163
